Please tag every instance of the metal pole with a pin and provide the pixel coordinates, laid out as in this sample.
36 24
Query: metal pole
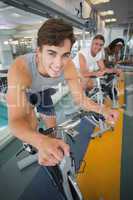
125 49
83 32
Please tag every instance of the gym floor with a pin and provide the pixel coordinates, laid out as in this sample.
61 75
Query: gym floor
108 171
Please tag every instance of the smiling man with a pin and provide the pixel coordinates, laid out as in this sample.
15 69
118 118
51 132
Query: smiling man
89 61
30 81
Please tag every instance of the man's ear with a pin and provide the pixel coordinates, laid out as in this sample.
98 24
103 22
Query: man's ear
38 54
38 50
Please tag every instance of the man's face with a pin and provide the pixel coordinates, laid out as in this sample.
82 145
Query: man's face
54 58
96 46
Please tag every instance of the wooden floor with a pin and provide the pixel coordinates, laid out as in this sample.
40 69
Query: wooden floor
100 179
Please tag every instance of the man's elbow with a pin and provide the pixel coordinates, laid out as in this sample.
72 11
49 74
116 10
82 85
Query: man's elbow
78 99
13 127
16 126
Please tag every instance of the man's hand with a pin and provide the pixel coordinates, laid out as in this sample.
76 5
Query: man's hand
100 73
51 150
111 115
113 70
118 71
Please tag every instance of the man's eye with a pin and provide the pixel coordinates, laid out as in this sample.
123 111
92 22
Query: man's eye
51 53
66 56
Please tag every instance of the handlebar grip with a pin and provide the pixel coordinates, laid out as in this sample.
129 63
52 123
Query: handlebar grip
93 76
109 74
47 131
98 116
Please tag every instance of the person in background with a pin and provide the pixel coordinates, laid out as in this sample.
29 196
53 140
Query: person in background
90 62
113 53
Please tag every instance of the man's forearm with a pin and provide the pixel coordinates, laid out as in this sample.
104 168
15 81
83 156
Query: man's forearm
89 74
22 130
89 105
111 70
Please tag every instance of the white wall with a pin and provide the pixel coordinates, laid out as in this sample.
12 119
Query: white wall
5 52
112 33
101 26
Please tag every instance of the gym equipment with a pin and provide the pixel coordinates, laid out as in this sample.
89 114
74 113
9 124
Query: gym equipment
110 88
97 119
63 175
104 86
125 67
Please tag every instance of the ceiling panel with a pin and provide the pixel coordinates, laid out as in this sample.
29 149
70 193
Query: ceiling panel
123 10
14 18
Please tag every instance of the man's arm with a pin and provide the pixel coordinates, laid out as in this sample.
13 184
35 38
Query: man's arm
85 71
79 97
19 109
23 122
83 67
101 65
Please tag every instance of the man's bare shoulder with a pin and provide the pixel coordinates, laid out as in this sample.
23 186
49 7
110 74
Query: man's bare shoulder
70 71
82 59
18 72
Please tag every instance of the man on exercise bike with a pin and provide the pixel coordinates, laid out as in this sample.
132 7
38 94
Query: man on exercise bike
90 63
30 81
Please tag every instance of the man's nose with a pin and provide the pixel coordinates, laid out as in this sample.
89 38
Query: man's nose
58 62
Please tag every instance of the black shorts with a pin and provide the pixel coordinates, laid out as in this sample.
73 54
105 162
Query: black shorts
42 101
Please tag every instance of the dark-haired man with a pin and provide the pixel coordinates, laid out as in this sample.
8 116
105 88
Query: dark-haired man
30 79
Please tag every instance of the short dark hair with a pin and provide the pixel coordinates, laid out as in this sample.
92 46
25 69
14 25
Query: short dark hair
100 37
54 32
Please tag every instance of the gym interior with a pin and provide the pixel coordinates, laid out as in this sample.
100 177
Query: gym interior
100 166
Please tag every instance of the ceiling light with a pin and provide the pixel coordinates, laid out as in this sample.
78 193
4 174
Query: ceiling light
16 15
99 1
110 20
6 42
27 37
5 27
15 42
108 12
10 40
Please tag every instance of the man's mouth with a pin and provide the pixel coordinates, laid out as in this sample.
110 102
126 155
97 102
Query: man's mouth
55 71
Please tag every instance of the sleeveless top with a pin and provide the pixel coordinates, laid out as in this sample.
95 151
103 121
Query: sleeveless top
39 82
90 60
